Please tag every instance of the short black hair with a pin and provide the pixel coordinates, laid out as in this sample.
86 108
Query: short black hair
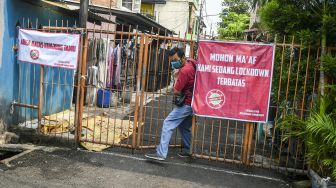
179 51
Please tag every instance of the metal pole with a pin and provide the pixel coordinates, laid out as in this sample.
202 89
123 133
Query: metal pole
200 22
83 13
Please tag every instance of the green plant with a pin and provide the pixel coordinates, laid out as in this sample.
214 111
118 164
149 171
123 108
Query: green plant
293 127
329 65
314 20
234 26
319 135
234 19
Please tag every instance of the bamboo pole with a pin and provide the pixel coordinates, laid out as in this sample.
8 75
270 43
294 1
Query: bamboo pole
82 85
40 97
247 143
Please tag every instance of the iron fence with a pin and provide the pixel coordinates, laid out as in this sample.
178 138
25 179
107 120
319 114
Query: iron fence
122 91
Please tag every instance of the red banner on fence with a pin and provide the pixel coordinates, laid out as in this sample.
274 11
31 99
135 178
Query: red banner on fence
233 80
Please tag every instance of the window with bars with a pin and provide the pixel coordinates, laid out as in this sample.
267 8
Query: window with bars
127 4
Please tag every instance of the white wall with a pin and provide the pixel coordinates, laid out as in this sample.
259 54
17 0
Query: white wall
174 15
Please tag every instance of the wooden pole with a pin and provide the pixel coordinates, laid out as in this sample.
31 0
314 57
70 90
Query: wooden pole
81 82
40 104
138 89
247 143
192 135
143 85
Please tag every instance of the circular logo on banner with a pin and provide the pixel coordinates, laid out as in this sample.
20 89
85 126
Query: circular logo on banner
34 54
215 99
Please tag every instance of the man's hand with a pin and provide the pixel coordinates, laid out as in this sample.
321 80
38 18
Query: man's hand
176 92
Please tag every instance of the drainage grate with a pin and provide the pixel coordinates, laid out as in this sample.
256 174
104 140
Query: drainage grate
8 152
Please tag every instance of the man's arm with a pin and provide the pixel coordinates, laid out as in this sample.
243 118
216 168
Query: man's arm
181 82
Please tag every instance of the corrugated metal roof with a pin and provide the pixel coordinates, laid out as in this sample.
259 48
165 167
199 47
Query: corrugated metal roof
128 18
61 5
70 9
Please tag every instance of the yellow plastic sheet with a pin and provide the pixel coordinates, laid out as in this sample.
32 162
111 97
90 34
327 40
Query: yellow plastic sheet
101 131
106 131
58 123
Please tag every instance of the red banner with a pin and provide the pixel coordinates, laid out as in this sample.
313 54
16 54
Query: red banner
233 80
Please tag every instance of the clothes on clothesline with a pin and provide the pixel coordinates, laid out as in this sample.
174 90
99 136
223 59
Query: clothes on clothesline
96 68
104 67
92 53
102 54
107 58
97 59
91 90
114 66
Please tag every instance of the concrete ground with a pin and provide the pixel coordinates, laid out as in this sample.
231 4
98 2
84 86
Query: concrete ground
60 167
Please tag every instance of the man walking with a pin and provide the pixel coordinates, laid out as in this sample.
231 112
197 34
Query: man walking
181 116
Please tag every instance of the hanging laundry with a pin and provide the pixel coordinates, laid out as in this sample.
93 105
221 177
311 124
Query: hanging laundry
92 73
91 88
114 67
118 66
92 53
110 66
102 62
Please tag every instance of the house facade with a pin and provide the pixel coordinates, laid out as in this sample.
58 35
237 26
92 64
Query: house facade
121 13
180 16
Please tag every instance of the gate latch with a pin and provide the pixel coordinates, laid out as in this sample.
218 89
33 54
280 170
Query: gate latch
12 107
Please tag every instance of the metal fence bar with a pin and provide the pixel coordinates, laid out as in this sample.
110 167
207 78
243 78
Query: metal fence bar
305 83
135 71
226 140
132 86
116 90
123 87
160 93
314 75
218 140
143 83
125 81
278 97
294 100
147 76
154 86
287 91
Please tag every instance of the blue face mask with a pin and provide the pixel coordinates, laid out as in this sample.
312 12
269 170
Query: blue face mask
176 64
